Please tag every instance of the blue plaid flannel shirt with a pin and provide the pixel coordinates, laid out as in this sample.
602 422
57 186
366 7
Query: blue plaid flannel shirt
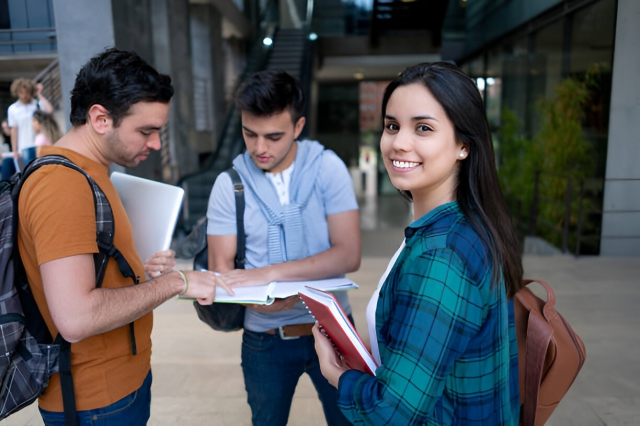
446 335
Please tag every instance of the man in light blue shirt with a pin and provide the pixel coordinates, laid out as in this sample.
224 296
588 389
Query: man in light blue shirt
301 223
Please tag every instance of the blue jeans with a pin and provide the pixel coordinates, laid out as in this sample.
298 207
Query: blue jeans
272 367
28 155
133 409
7 168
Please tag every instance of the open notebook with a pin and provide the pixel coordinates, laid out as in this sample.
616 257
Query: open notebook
152 208
267 293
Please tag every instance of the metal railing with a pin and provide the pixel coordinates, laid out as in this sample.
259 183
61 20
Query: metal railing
26 40
52 87
570 216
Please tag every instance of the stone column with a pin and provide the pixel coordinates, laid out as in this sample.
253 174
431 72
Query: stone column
621 207
84 29
171 40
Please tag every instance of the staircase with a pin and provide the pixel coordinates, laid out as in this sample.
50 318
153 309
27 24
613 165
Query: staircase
52 88
291 52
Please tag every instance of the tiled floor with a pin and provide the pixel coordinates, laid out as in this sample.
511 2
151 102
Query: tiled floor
198 381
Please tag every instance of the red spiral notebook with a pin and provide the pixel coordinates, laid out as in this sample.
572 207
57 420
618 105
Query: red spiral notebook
335 324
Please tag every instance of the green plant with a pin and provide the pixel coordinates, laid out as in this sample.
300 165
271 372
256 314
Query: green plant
558 152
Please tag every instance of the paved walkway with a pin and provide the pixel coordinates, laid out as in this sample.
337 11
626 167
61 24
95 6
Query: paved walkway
198 380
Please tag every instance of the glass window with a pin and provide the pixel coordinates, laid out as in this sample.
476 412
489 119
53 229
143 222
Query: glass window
546 65
4 15
514 76
592 38
338 124
545 69
493 82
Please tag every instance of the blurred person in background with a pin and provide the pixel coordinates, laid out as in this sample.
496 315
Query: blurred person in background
7 167
46 130
20 114
6 136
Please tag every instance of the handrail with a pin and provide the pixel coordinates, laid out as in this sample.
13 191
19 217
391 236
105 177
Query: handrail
41 76
15 37
30 41
562 226
50 79
310 4
27 30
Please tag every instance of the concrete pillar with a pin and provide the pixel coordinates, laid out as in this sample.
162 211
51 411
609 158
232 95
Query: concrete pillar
621 207
218 69
208 74
171 41
133 31
83 29
158 30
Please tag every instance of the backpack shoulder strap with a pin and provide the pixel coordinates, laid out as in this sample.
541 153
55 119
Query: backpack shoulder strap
104 217
201 258
238 191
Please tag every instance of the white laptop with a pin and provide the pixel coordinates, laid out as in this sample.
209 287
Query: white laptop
152 208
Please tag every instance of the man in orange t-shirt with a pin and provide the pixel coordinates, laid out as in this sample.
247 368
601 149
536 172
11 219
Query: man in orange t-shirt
118 105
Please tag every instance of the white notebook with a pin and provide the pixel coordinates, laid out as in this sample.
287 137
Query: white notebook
152 208
266 294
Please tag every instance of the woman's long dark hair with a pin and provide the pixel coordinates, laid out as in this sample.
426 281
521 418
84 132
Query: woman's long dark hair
478 192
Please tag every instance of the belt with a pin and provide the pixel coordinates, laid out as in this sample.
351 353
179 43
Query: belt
288 332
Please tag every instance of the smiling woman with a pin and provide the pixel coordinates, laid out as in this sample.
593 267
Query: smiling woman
442 315
419 147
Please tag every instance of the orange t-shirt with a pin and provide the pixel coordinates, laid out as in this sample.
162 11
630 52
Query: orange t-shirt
57 220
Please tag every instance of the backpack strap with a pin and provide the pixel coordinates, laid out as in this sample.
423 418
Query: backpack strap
201 259
238 191
105 225
105 231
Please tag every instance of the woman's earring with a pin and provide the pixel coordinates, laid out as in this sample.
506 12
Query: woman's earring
462 155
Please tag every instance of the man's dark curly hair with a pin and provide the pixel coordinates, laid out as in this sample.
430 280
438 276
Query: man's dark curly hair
116 80
270 92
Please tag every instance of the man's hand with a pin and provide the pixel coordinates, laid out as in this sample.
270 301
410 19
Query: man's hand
39 88
246 277
278 305
160 263
202 286
331 365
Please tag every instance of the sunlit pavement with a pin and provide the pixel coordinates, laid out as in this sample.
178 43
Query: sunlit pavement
197 379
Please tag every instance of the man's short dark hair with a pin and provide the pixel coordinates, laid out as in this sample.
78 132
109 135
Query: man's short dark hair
117 80
270 92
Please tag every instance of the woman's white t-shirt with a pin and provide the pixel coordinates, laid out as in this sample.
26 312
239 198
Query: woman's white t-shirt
371 307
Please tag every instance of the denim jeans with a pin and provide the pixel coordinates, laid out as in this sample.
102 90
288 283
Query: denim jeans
133 410
28 154
8 168
272 367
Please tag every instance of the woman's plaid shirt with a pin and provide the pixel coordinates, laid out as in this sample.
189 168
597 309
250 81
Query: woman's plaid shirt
446 335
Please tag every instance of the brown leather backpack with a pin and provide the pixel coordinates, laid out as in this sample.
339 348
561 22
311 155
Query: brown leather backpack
550 354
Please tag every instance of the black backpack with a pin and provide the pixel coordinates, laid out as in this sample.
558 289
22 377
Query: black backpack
221 316
29 354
